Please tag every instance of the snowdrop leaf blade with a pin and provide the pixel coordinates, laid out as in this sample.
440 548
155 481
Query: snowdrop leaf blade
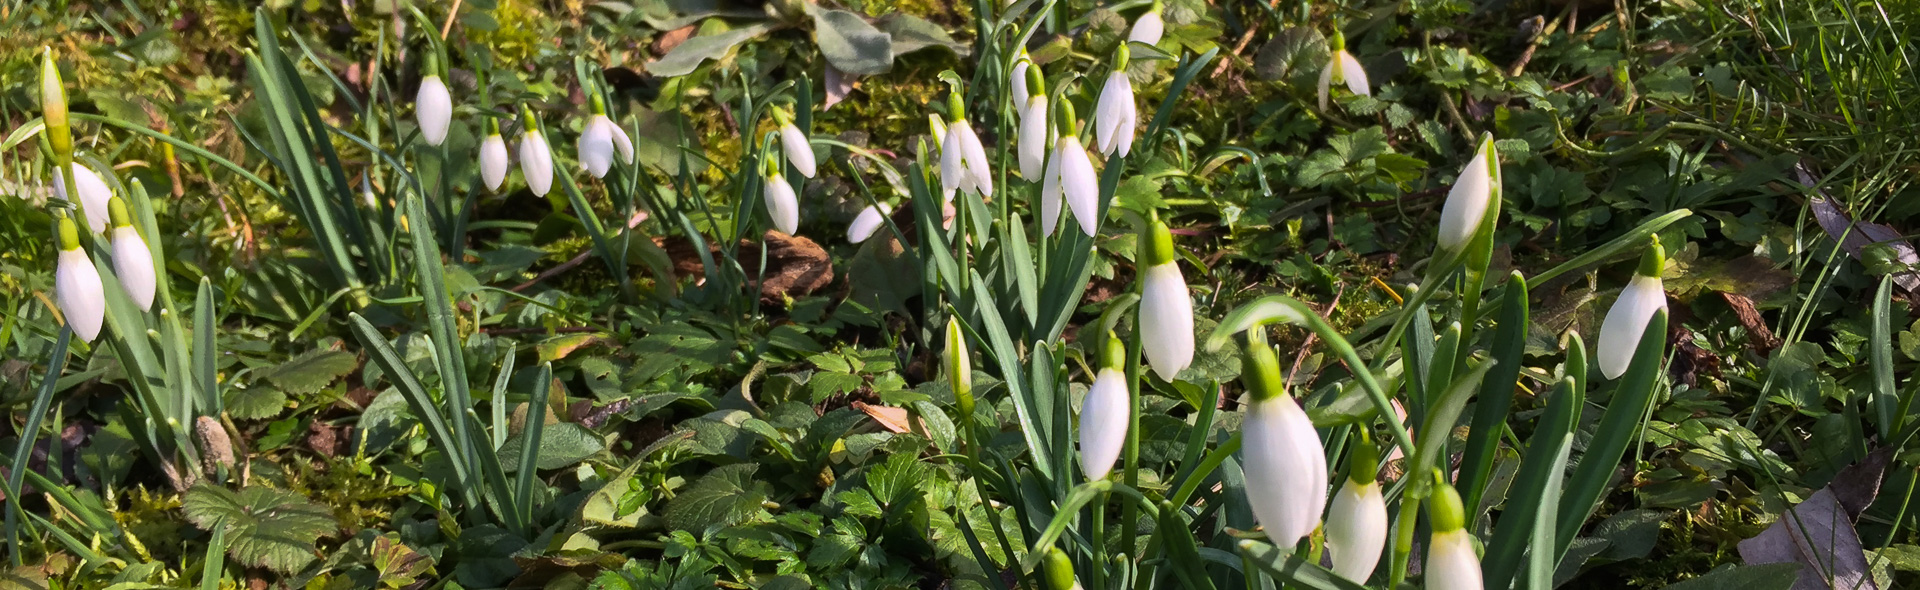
1445 409
1540 468
1265 310
1497 391
1288 567
1619 426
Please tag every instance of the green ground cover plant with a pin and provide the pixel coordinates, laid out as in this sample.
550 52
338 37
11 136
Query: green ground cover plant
1043 294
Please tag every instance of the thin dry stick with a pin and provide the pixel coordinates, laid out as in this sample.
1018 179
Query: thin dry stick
448 25
1245 38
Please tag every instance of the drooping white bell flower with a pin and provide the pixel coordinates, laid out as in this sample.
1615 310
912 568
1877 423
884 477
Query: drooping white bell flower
1473 196
536 159
1357 521
93 195
1017 82
868 221
963 161
1070 174
794 144
1451 562
1166 306
1286 467
433 106
600 139
1033 137
493 159
1626 321
1115 116
1149 27
1105 414
132 260
1343 68
76 284
782 205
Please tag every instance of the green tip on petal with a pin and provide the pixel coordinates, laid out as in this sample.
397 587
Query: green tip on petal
1058 570
1445 512
1069 121
117 212
1338 42
1036 82
69 233
1652 260
1114 354
1157 243
1260 369
1122 56
1365 462
956 106
599 104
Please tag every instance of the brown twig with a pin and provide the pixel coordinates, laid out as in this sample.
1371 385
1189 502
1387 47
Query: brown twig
549 273
448 25
1245 38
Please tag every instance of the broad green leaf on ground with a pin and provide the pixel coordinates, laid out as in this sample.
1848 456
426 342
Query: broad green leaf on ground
310 372
911 33
850 43
1772 576
255 403
690 54
726 496
562 444
265 527
399 565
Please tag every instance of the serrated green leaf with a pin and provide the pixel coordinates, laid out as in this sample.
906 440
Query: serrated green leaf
561 445
726 496
310 372
265 527
255 403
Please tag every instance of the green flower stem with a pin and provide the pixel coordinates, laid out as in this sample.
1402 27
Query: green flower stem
968 438
1130 452
1403 539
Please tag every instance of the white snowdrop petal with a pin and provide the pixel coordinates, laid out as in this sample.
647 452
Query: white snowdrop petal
867 222
133 265
536 163
952 170
1018 84
1166 320
1147 29
1033 139
798 150
1626 322
493 161
976 161
1355 74
1079 184
1451 563
1325 87
94 195
1115 95
1050 189
1103 423
782 205
433 108
76 288
622 144
1357 530
1286 469
1466 204
596 146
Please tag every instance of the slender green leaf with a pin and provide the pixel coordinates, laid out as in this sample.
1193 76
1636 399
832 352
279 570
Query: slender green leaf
1619 427
1496 392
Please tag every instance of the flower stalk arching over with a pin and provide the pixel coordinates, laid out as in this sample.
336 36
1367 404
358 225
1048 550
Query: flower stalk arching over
1474 196
433 105
76 283
868 221
963 160
1150 27
1166 304
600 139
1626 322
1342 68
795 145
1452 563
1357 521
536 159
132 259
493 157
1115 116
1033 138
1069 175
1105 413
783 206
1286 466
93 193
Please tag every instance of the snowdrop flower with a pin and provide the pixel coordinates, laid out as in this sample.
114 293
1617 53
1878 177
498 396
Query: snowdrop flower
782 205
1070 174
600 138
1286 468
53 110
959 366
1357 522
1149 27
1114 117
1166 307
433 107
1342 67
76 284
536 159
94 194
493 157
1474 195
963 161
1451 562
1017 82
1621 332
1105 413
132 260
1033 138
795 145
868 221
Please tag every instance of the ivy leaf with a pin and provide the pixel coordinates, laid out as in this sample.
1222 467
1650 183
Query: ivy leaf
311 372
265 527
726 496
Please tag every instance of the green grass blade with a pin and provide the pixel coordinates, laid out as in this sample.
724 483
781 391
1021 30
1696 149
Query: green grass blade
204 353
1637 237
1886 399
443 325
1496 392
499 405
1000 347
1544 559
1441 418
1541 465
1618 428
42 399
1440 367
530 440
214 566
416 395
1292 570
